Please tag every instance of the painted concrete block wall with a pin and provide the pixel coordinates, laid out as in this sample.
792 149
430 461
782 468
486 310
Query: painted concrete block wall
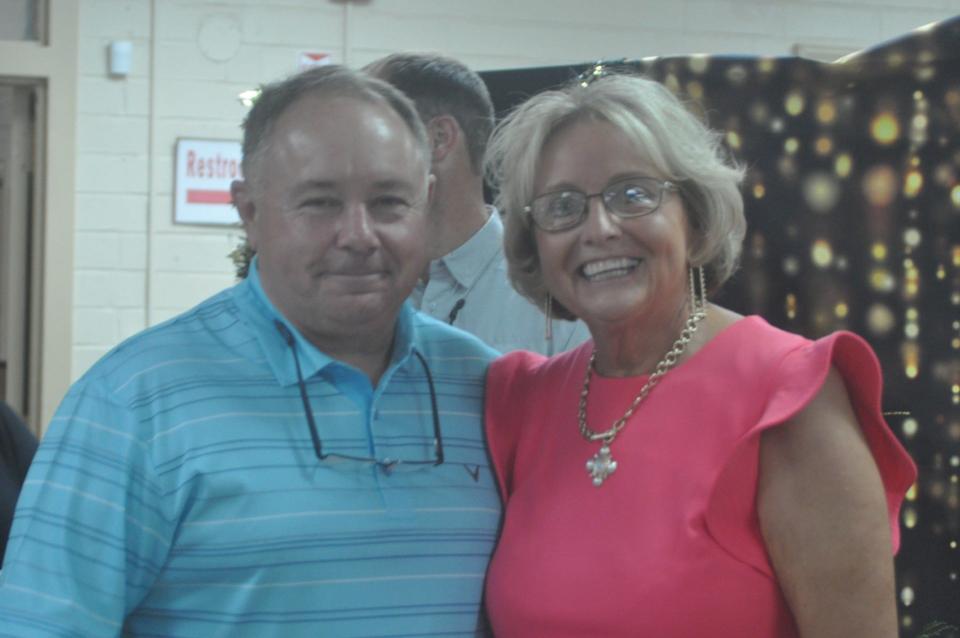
134 267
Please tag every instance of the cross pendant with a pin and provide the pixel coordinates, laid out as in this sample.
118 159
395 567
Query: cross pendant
601 465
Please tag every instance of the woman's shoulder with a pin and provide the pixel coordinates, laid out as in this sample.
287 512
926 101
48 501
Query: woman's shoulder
526 368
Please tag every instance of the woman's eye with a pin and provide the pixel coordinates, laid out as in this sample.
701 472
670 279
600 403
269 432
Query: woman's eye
637 195
565 205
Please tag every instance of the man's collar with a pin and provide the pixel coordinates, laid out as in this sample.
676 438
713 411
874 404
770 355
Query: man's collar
473 257
261 315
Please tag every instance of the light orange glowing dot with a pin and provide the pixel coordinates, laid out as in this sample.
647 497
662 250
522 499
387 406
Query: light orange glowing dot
911 359
880 185
880 319
823 145
759 191
826 111
885 128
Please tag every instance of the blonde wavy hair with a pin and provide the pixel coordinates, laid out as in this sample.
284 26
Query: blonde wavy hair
676 143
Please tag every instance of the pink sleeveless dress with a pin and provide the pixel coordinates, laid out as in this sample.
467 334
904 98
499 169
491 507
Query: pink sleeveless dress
670 544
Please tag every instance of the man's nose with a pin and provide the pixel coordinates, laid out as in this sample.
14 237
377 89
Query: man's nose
357 229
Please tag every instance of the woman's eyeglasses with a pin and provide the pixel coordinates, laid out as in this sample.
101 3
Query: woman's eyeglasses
626 198
385 463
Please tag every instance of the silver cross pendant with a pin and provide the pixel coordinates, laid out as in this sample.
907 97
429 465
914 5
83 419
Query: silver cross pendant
601 465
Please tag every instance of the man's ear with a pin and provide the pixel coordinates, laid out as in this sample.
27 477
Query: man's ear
240 192
444 135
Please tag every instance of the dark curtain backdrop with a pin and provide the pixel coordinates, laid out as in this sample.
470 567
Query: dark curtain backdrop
853 204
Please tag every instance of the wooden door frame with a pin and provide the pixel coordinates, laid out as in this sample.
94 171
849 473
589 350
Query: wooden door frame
53 63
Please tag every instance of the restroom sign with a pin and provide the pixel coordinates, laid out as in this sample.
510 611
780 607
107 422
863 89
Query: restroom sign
311 59
204 171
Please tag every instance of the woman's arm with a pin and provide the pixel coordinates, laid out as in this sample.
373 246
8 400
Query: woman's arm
823 515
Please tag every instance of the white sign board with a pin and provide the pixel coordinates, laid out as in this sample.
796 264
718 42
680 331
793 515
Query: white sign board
204 171
310 59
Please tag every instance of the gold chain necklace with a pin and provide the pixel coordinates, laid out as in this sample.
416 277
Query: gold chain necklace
601 465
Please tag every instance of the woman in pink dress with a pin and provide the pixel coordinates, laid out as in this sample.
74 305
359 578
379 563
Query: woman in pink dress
688 471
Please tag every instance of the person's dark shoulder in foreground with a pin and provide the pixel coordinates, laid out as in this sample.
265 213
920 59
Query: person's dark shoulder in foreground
17 446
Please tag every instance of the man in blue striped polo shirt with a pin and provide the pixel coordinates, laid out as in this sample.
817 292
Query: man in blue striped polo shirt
299 455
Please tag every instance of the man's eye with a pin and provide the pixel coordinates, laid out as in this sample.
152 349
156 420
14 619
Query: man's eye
389 204
320 205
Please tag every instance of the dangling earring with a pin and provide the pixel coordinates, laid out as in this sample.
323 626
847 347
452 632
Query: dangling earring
548 323
698 297
548 318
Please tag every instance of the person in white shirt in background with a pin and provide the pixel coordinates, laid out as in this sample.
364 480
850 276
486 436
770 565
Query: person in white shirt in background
466 284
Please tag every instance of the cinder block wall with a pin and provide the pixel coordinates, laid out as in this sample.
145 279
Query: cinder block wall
134 267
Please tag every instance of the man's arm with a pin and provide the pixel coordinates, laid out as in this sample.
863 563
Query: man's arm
89 534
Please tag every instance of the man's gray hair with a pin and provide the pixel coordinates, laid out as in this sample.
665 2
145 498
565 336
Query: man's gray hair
331 81
674 141
443 86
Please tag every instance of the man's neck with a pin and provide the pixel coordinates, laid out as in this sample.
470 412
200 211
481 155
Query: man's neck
369 351
458 213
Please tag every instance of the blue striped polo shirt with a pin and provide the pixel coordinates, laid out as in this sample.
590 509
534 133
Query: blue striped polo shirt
177 492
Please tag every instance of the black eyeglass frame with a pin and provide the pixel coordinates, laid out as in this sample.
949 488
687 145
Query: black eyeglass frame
606 196
385 463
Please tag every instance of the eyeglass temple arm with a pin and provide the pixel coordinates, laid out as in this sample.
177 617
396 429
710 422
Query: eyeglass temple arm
437 436
308 410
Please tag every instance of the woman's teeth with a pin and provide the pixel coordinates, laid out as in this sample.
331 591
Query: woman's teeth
608 268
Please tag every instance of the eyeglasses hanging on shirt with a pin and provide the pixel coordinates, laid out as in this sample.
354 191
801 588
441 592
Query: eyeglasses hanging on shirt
384 463
456 310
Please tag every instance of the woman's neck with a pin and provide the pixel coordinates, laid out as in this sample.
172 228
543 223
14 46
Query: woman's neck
634 348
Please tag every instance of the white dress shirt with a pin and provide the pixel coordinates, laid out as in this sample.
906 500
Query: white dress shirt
469 288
